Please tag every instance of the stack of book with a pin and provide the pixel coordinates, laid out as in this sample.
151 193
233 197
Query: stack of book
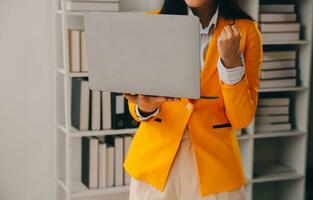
77 51
93 5
272 115
102 161
95 110
278 22
279 69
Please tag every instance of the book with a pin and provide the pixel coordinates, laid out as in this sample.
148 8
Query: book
279 55
115 112
282 73
92 6
80 103
278 17
118 143
119 116
95 110
83 53
110 171
74 50
132 123
280 64
89 172
118 111
278 83
277 8
279 27
273 110
106 110
119 158
127 142
282 36
102 162
272 119
272 127
274 102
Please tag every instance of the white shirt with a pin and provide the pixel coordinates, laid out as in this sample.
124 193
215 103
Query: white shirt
229 76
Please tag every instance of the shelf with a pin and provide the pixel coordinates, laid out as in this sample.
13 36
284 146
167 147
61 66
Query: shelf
287 89
72 74
80 190
269 172
79 74
273 162
279 190
78 133
296 42
277 177
244 137
78 13
278 159
279 134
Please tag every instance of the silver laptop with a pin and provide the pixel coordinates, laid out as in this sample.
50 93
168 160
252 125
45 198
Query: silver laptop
147 54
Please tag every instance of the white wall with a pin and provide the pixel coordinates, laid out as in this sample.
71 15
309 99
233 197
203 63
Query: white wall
26 133
26 97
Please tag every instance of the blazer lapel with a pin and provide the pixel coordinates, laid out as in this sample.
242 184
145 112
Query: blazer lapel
212 55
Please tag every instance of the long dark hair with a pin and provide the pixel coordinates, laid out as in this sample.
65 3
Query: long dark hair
229 9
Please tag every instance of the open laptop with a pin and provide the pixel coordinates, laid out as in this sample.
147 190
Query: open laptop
141 53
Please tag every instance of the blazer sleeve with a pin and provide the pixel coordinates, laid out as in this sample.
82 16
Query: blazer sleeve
131 107
241 99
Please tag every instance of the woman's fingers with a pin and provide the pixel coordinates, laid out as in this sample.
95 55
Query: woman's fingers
229 31
162 99
236 30
146 98
131 98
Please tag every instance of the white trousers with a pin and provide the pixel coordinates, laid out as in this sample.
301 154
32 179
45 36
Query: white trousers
182 182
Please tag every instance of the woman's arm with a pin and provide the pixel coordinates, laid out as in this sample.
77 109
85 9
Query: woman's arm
241 99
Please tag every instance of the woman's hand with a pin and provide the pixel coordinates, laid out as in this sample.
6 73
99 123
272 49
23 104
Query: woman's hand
147 103
228 46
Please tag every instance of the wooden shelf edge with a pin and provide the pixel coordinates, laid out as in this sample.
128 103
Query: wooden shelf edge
279 134
244 137
295 42
78 13
287 89
277 177
78 133
80 190
78 74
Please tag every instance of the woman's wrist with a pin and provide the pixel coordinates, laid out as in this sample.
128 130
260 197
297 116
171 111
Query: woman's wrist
232 62
146 113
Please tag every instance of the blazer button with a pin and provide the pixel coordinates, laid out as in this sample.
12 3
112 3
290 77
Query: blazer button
189 106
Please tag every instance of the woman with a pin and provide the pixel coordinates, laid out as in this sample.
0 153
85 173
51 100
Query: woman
186 149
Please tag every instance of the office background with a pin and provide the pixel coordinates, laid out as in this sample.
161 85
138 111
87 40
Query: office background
27 143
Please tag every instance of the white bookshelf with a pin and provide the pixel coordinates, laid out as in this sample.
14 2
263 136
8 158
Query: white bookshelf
286 148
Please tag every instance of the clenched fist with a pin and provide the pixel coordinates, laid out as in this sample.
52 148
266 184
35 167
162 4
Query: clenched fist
228 45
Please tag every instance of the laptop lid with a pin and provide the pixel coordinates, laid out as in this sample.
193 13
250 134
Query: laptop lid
144 54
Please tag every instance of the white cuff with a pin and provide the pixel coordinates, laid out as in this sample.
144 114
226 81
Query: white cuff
230 76
148 117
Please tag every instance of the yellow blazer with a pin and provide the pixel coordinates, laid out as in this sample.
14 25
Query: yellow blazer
157 140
